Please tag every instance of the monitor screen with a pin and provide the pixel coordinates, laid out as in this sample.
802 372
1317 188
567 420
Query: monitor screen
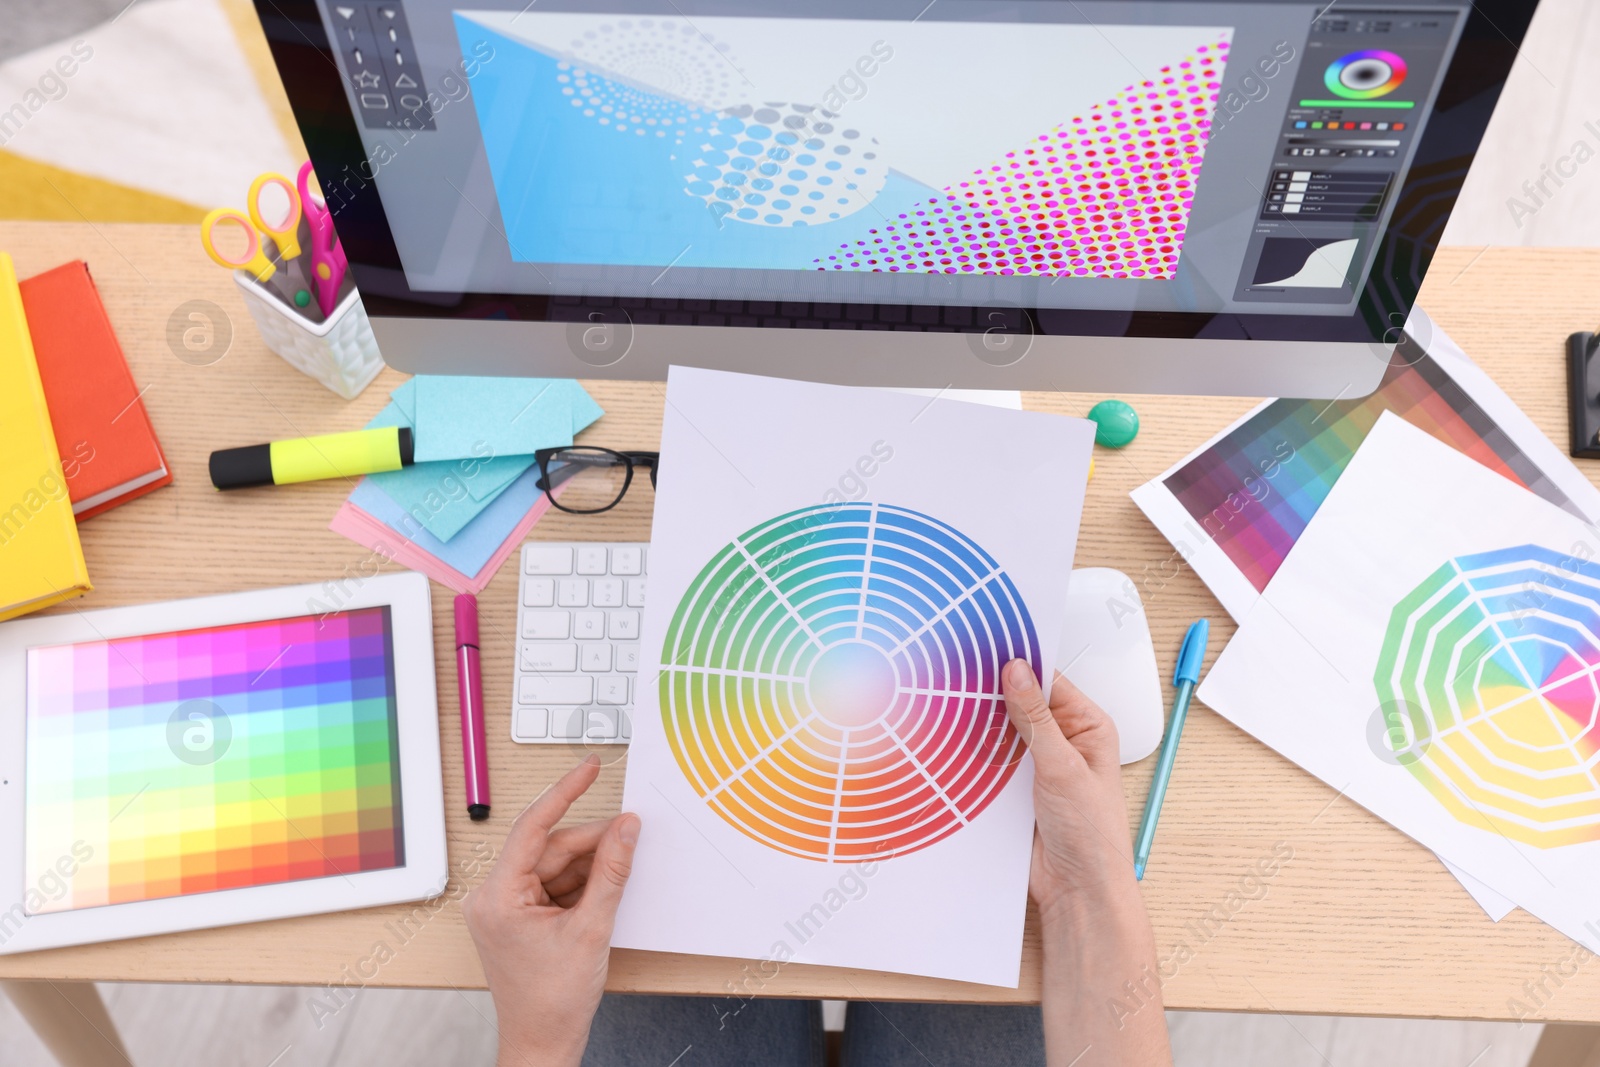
1252 168
171 764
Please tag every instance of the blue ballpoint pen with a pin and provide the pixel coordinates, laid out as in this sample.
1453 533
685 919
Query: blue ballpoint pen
1187 675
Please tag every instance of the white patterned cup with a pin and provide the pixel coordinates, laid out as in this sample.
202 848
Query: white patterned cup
340 351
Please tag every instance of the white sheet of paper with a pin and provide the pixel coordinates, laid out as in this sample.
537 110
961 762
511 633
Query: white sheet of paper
1300 673
1234 589
1496 905
759 867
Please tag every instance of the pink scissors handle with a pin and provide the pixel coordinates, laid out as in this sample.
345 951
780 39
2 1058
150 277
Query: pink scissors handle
316 210
328 262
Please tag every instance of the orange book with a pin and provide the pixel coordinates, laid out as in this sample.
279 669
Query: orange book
41 561
108 448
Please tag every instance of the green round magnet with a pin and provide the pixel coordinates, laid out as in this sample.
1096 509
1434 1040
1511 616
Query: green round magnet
1116 423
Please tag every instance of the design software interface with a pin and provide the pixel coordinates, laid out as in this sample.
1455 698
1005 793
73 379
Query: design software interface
1208 157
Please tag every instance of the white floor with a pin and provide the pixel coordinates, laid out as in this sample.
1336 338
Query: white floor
1554 93
271 1026
244 1026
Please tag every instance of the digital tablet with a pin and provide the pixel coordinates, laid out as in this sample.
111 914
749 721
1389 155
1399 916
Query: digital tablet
219 760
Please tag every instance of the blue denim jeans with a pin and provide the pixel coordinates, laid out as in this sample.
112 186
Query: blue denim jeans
640 1031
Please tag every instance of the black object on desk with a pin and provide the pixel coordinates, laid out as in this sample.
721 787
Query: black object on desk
1583 395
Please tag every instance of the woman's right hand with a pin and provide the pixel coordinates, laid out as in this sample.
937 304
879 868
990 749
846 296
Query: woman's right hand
1082 850
1098 944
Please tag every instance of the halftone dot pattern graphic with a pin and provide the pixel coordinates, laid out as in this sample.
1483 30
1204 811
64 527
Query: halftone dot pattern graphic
830 681
671 55
1488 681
623 108
1104 195
685 64
781 164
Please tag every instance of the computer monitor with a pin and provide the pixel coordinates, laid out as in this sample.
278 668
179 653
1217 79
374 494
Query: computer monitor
1165 195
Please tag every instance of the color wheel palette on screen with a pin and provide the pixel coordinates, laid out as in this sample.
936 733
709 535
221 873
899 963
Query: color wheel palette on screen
1488 678
829 681
1365 75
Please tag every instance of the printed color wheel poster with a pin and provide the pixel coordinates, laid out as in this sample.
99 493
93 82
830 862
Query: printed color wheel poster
1431 648
837 578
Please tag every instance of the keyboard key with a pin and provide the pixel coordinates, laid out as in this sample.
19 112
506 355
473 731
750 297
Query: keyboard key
596 656
567 723
578 622
547 625
540 657
574 690
603 724
547 559
530 723
539 593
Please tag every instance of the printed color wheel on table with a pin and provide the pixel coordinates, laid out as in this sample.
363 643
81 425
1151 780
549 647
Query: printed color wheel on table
830 681
1488 676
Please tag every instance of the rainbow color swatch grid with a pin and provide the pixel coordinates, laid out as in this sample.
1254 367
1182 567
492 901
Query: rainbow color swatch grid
1488 678
1256 488
214 758
830 681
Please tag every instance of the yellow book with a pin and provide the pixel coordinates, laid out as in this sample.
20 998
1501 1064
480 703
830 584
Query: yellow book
41 561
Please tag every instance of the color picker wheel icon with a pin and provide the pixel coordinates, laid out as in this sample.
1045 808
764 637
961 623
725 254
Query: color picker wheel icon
1365 75
1498 654
830 681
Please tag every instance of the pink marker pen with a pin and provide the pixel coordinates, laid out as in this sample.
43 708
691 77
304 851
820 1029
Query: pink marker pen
469 679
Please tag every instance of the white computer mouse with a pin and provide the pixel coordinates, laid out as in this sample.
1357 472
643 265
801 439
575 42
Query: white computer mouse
1106 652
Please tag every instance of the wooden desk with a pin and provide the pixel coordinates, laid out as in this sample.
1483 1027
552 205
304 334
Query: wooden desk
1360 920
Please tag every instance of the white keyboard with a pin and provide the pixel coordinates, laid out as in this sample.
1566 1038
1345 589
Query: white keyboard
578 609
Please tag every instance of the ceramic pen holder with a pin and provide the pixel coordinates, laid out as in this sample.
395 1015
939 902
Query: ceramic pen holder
340 351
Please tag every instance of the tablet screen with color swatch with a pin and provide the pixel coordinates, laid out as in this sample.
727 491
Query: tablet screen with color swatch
178 763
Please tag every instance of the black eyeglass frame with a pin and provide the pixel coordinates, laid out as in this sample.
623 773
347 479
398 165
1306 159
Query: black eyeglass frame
548 480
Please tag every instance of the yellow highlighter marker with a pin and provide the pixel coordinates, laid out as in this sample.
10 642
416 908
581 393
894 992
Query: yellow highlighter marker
311 459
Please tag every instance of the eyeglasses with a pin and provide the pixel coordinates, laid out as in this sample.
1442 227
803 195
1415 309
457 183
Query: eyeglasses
595 478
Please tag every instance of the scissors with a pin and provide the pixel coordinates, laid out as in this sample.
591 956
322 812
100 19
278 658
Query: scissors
253 259
283 233
328 262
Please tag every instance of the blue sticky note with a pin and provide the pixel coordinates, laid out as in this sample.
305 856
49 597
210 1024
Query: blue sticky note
492 475
495 474
461 417
501 470
406 398
436 494
585 411
471 548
